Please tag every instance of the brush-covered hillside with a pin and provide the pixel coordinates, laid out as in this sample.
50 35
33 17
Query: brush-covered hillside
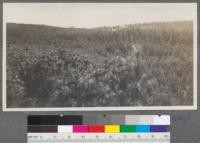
135 65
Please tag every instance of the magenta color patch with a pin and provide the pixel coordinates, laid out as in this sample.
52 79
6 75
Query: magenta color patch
80 128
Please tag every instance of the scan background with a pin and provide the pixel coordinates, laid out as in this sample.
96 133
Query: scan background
185 125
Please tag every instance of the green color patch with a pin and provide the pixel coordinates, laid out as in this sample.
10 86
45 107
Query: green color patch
127 128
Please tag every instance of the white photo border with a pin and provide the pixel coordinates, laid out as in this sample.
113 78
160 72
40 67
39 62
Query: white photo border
118 108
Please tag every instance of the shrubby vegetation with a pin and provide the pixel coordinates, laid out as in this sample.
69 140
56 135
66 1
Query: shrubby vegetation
64 67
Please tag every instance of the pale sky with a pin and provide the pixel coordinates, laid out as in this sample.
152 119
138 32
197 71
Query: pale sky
96 14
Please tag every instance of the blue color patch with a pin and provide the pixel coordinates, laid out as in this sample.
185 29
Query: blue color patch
142 128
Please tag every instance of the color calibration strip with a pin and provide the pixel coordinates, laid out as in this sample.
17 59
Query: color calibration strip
98 128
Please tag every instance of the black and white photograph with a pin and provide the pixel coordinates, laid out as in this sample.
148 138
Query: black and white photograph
99 56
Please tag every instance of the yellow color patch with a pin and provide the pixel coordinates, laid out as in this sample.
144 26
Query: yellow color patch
112 128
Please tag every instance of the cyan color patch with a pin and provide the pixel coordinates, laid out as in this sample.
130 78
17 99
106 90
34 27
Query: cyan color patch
142 128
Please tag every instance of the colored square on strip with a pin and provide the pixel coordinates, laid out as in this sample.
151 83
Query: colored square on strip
115 119
112 128
145 120
90 119
34 120
80 128
65 129
131 119
159 128
49 129
127 128
142 128
71 120
34 129
162 120
49 120
96 128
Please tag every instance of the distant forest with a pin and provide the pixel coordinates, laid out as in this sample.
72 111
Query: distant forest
149 64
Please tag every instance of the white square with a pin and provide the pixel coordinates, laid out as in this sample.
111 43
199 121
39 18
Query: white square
65 129
162 120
